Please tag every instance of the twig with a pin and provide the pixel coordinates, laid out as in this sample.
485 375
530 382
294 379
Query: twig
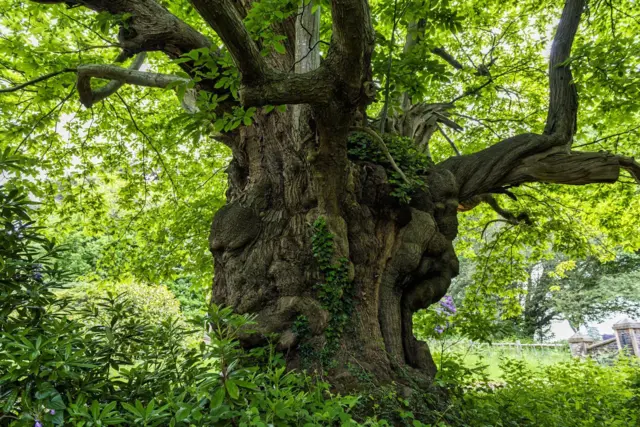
33 128
604 138
37 80
453 145
160 159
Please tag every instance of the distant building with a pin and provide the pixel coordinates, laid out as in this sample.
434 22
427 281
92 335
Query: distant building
626 339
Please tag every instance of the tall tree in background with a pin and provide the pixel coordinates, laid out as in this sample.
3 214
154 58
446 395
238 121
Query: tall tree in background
581 292
351 283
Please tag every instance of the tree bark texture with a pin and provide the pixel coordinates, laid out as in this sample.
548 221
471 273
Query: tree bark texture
400 258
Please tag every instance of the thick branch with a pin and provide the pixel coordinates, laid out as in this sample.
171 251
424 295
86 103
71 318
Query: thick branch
151 26
314 87
225 19
519 160
89 97
480 172
262 85
351 40
123 75
575 168
563 96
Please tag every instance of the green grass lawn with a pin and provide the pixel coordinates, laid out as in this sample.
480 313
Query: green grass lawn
492 356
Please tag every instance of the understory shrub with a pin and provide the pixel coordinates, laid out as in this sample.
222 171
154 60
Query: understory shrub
155 303
578 393
108 362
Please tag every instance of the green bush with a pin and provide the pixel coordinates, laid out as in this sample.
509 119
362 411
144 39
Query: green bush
579 393
108 362
155 303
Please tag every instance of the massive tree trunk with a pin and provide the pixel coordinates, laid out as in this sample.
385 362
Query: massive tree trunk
387 260
292 188
310 241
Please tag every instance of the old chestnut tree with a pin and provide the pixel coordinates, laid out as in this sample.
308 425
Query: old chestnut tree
358 131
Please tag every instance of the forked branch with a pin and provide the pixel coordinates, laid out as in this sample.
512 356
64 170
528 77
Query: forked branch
118 77
224 18
152 27
89 97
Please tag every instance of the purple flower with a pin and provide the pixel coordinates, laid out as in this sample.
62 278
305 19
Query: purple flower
37 424
447 303
52 412
439 329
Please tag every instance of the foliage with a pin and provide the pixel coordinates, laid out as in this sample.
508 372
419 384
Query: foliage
141 180
412 161
152 303
528 390
486 359
136 173
533 292
119 365
593 290
577 393
436 320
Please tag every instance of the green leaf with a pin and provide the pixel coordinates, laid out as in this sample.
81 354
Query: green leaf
279 48
10 400
246 384
232 389
57 403
183 413
218 397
